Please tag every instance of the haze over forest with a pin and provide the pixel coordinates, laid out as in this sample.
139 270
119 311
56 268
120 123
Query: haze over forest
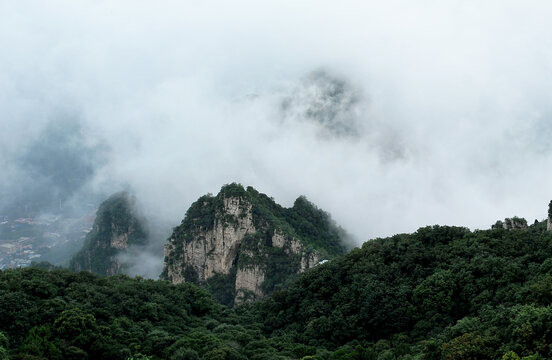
390 116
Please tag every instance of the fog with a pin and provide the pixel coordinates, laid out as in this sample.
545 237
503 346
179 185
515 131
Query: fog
389 115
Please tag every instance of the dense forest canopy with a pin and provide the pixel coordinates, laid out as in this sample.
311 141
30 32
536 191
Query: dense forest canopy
440 293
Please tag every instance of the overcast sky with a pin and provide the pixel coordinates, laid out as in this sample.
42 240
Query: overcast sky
390 115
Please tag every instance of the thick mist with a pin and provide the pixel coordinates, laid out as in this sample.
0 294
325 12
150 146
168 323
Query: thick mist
388 116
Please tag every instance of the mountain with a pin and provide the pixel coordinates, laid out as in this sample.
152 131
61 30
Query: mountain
116 228
242 246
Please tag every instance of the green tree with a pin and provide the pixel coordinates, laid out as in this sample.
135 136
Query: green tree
39 342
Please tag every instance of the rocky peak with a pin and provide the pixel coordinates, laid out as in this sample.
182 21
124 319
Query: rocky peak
116 227
511 224
514 223
242 245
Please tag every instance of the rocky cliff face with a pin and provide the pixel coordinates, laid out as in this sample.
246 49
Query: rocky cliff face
115 229
242 245
212 251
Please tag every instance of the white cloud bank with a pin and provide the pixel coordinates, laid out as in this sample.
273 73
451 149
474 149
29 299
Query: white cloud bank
451 103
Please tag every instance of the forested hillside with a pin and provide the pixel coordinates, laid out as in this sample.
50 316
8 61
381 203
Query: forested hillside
440 293
444 292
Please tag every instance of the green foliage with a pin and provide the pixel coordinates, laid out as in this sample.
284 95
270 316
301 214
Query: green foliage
465 347
304 221
4 345
222 287
97 317
139 356
76 327
39 342
510 355
316 228
199 217
459 292
4 342
185 354
440 293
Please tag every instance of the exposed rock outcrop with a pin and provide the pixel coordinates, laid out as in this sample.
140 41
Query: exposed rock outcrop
511 224
514 223
115 228
248 283
242 245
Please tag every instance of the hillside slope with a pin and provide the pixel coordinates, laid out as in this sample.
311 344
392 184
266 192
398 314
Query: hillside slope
446 291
